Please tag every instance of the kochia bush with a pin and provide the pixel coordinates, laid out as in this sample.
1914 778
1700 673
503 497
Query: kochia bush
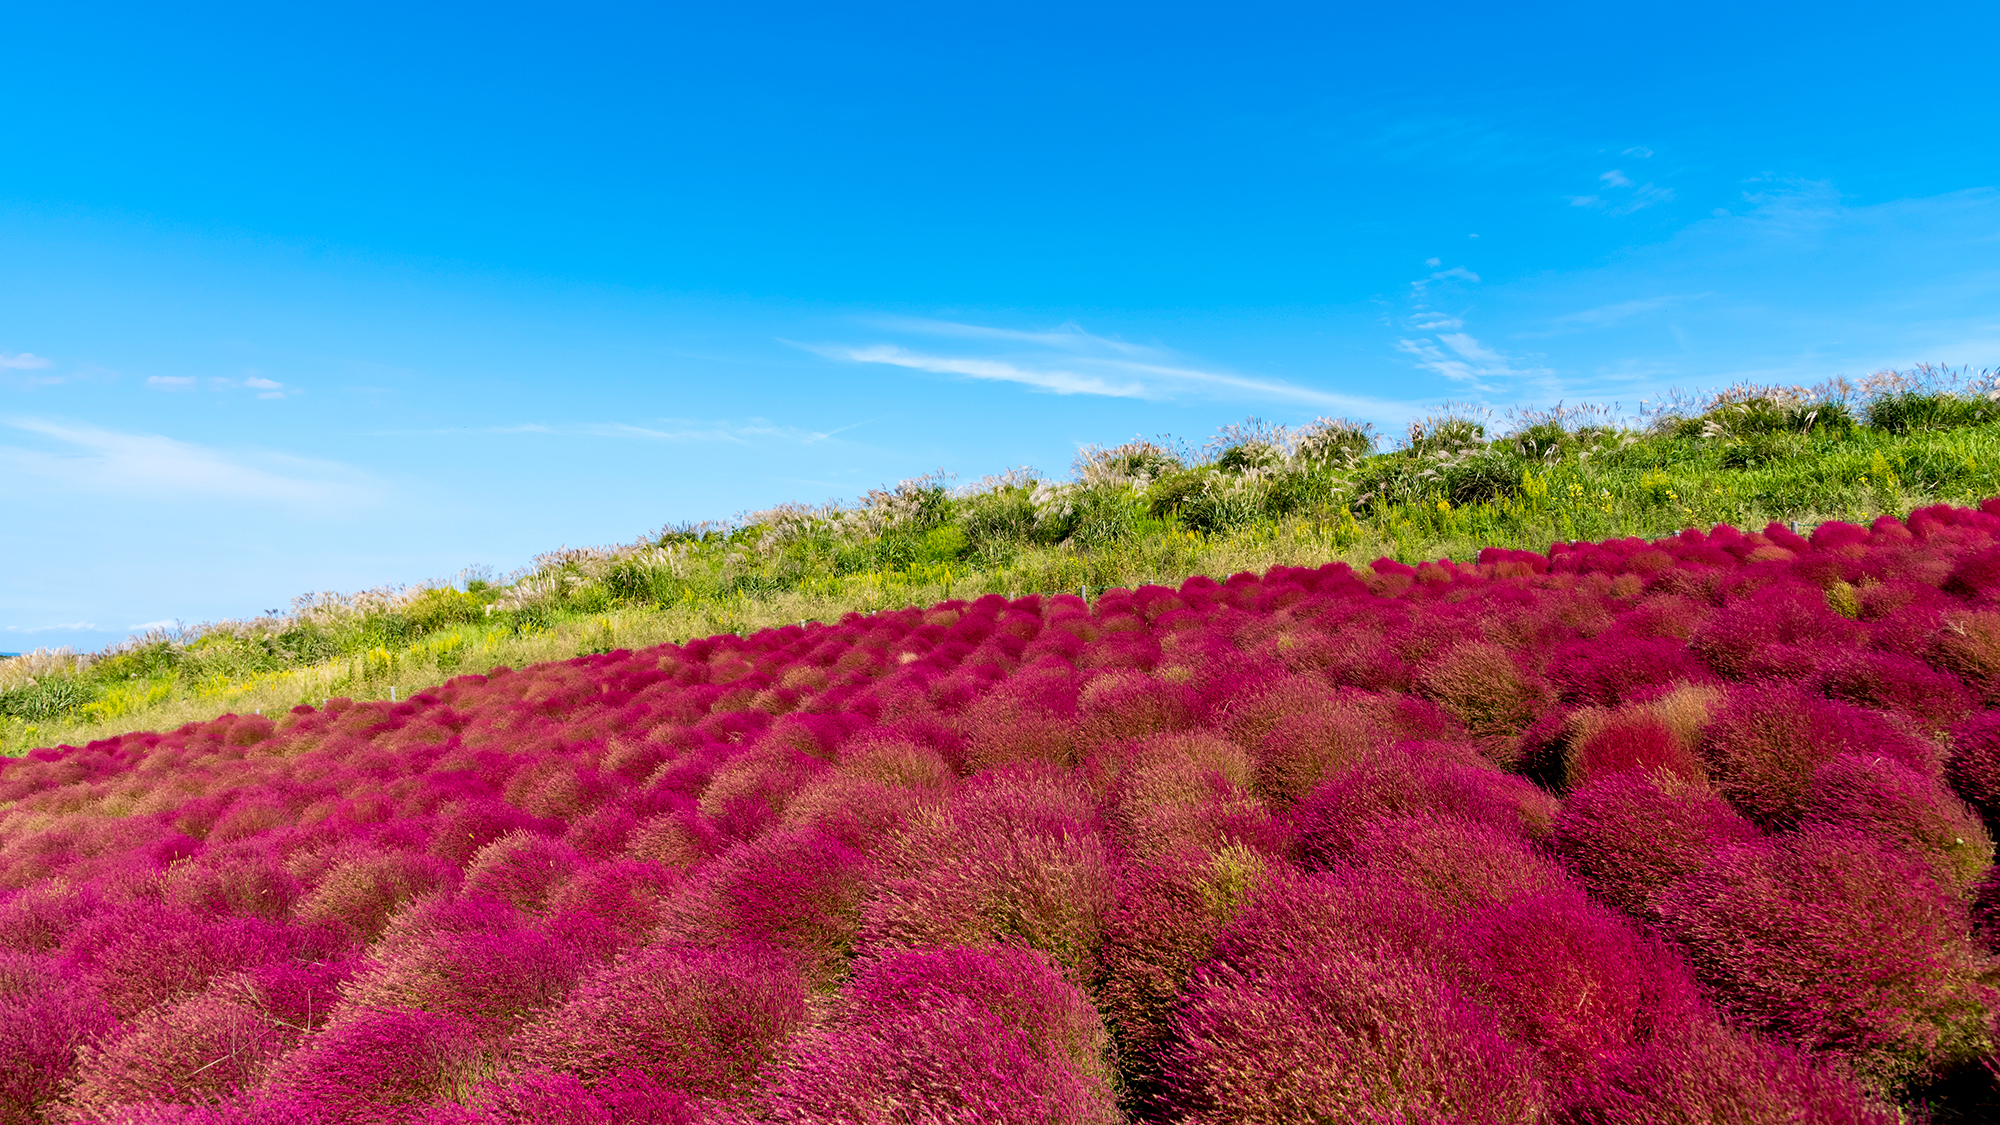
1834 944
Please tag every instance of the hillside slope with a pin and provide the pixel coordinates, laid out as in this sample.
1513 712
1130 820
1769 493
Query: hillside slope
1623 832
1255 496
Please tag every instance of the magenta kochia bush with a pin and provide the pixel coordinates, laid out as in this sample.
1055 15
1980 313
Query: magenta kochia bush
1974 767
1399 843
1164 924
1764 745
797 890
993 1034
703 1021
1619 667
1412 779
204 1047
1833 943
1334 999
1631 836
1017 855
1576 983
472 958
382 1067
544 1097
1905 812
45 1025
1717 1075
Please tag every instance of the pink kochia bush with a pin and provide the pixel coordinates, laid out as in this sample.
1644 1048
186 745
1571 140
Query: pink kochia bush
990 1034
1684 831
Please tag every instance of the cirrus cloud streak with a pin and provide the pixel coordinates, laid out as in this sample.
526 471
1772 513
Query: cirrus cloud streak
1070 361
80 458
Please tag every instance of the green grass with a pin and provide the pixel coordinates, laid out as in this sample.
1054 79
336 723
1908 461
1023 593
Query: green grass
1256 497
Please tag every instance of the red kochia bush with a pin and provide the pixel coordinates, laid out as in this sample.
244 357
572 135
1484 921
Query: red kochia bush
1622 667
471 958
627 895
1630 836
1168 914
44 1025
364 886
701 1021
380 1068
992 1034
247 881
1480 684
1784 627
1907 813
202 1048
1716 1075
1298 751
1181 789
797 890
1028 861
1974 766
1331 999
1902 685
1624 742
1765 743
1456 863
1830 942
542 1097
1412 779
522 868
1576 983
179 956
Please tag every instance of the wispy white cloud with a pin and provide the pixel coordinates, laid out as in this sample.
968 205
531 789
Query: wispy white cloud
26 361
1420 288
1624 196
147 626
1068 360
1048 378
1430 320
1469 347
76 457
66 627
741 434
1461 358
837 430
1439 343
264 387
1604 316
660 430
1455 273
1640 151
1644 196
1068 336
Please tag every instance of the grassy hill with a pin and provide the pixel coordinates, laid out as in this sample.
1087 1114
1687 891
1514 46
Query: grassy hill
1254 496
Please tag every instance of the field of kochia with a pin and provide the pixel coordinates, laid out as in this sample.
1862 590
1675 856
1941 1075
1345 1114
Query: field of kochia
1691 830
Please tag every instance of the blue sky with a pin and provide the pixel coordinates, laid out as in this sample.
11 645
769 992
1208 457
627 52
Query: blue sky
329 298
